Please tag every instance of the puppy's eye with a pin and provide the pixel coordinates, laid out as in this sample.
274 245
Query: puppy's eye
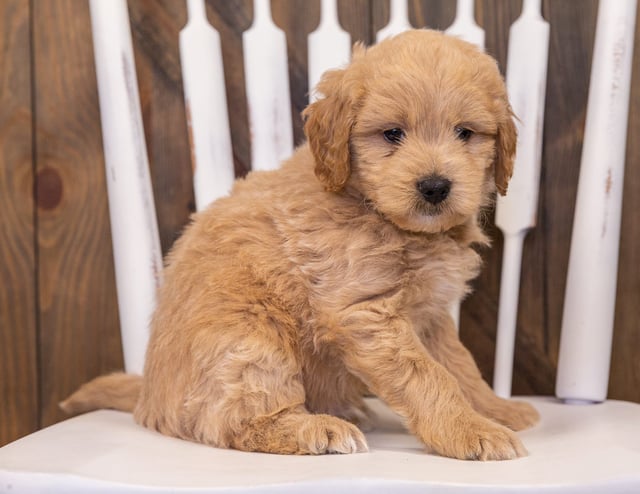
394 136
463 134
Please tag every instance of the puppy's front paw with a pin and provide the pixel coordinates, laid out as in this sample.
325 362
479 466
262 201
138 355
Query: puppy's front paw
478 438
322 434
516 415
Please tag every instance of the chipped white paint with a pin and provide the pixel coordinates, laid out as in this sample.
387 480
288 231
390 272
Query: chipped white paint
136 244
267 84
329 45
398 20
464 25
206 105
516 212
588 317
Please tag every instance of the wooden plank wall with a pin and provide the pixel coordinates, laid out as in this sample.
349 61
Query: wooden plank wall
58 314
18 301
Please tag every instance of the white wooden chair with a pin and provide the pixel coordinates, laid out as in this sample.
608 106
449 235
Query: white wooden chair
574 449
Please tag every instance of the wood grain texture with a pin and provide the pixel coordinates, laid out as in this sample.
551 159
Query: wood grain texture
155 27
569 70
18 350
79 329
356 18
624 382
433 14
231 19
297 18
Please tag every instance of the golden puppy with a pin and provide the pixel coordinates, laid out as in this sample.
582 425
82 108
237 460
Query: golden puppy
285 302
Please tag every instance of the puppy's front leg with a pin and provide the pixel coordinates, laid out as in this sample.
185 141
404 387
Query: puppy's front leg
444 345
383 350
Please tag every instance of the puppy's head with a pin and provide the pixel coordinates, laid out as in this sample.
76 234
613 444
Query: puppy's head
420 125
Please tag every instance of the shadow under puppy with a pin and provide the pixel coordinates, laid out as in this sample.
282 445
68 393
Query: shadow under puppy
285 302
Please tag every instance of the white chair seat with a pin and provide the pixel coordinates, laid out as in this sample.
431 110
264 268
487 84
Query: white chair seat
574 449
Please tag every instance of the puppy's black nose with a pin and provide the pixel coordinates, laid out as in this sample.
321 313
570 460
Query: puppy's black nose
434 189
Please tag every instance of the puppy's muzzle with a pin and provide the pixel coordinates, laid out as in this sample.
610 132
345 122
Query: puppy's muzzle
434 189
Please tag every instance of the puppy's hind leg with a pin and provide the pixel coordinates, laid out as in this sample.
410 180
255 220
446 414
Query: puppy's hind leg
296 431
273 427
251 396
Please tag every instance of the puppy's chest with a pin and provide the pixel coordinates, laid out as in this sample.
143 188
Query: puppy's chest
427 274
437 274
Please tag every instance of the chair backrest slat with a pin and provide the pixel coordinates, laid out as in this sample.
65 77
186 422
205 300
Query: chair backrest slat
206 107
464 25
590 295
329 45
267 84
134 227
517 211
398 20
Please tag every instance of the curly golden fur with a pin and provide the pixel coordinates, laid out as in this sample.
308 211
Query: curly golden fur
285 302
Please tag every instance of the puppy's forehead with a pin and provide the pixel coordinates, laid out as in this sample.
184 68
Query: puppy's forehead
427 67
426 49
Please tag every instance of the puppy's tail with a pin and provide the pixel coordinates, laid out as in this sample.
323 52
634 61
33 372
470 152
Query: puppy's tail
118 391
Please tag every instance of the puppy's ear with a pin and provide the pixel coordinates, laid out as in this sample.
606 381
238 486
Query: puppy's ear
328 124
505 152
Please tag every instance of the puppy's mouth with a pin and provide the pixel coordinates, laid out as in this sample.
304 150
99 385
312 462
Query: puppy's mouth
434 212
436 219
